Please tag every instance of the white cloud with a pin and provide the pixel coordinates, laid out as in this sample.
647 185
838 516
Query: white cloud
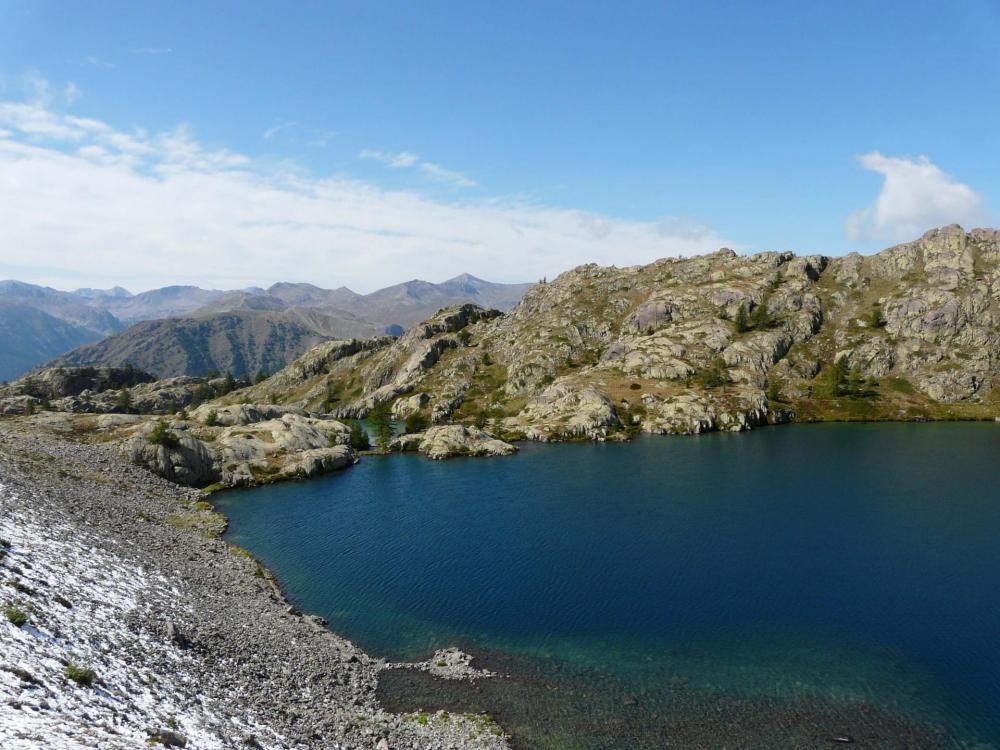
71 92
152 50
97 62
439 173
396 160
84 204
406 159
916 196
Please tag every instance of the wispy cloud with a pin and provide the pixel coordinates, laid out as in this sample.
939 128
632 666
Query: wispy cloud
98 62
71 92
152 50
274 130
396 160
407 159
916 195
439 173
96 205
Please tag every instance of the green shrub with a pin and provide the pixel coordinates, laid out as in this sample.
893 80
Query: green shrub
15 615
212 418
833 379
82 676
713 376
875 319
380 418
742 320
359 438
161 435
774 385
416 422
635 387
124 400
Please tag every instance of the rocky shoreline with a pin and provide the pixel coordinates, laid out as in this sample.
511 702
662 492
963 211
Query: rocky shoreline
142 627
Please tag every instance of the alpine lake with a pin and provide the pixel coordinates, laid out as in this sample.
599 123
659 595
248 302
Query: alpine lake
802 586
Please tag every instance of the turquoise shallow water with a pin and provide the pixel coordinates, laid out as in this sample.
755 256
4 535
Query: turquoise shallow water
782 586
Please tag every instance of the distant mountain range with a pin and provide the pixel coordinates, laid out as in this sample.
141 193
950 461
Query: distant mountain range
187 330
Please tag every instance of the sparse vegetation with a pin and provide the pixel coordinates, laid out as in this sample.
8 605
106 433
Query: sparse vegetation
742 320
124 400
81 675
875 317
416 422
212 418
713 376
774 385
359 438
381 422
15 615
161 435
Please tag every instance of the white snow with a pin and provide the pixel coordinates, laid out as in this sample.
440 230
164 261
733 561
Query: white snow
143 684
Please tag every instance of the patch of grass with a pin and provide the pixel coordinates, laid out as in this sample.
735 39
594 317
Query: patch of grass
900 385
15 615
82 676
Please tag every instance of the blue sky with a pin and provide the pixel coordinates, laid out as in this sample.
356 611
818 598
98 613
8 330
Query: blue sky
658 127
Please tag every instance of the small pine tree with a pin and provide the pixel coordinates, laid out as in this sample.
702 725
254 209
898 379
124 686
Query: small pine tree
260 377
416 422
761 316
29 408
834 380
212 418
380 418
161 435
124 400
480 418
359 438
715 375
875 319
742 320
774 389
856 381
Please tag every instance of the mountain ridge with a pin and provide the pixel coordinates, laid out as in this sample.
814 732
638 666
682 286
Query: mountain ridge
305 312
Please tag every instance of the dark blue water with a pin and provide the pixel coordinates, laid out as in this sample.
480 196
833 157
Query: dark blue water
827 570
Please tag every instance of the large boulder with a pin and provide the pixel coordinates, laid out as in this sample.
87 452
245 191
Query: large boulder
188 462
242 414
447 441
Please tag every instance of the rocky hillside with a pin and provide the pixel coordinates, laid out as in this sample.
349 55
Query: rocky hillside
720 341
238 342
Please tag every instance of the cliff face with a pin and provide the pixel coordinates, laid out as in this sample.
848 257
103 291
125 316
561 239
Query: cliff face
720 341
